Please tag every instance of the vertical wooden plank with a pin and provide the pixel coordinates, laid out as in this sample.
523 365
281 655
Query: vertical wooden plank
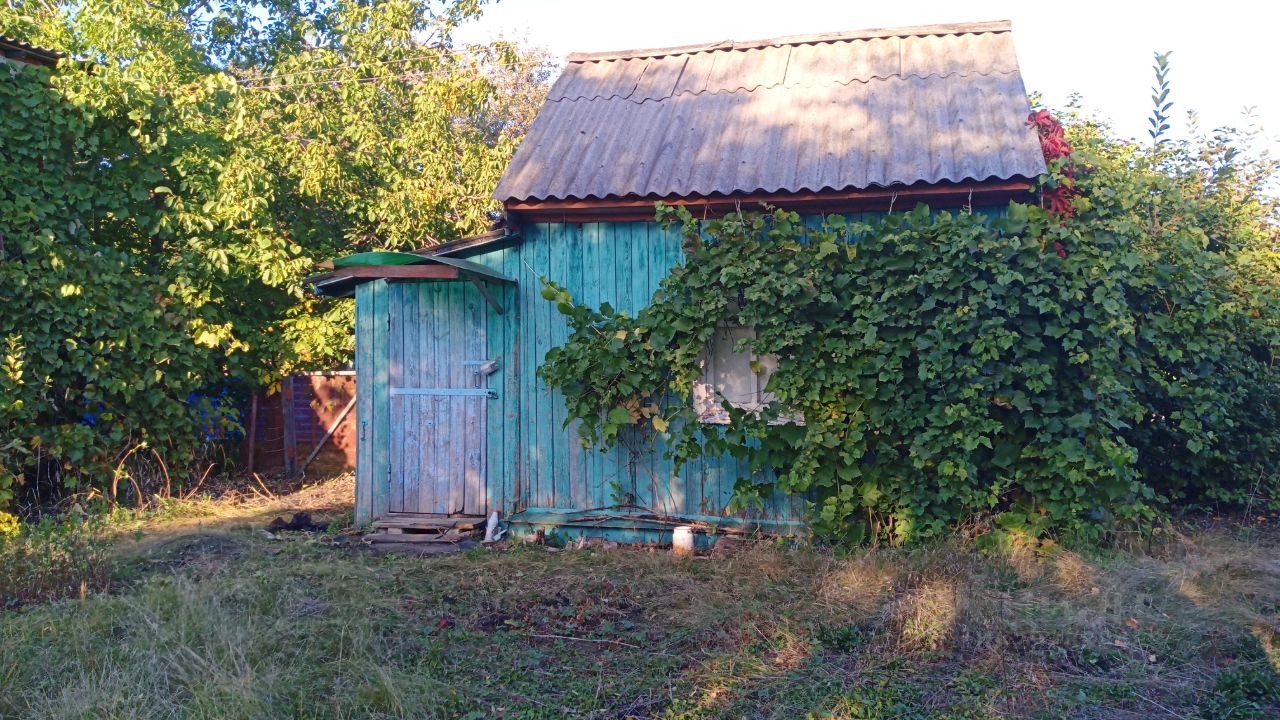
441 409
288 420
593 262
495 414
605 471
543 434
655 261
476 347
642 461
620 468
639 270
502 433
668 255
812 225
670 481
411 470
528 388
552 448
512 467
620 257
467 409
381 419
426 495
364 403
478 494
575 456
566 269
528 293
455 409
438 407
455 433
395 378
642 286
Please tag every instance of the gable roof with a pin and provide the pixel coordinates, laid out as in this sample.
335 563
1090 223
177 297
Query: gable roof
804 114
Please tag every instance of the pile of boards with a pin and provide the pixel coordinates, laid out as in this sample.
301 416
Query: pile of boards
426 530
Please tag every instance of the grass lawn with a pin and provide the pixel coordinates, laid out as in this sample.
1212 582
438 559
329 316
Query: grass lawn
208 617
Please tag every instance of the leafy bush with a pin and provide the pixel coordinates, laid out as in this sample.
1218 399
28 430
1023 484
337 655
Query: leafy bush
107 347
51 560
1079 371
161 207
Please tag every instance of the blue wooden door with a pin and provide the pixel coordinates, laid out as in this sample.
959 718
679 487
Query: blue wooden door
439 403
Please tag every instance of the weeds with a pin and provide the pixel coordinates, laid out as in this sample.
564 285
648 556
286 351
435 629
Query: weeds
1247 693
51 560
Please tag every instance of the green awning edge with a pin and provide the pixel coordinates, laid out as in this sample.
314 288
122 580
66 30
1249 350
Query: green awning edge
474 268
378 257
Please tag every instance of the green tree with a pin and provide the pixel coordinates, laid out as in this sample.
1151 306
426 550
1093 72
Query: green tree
167 189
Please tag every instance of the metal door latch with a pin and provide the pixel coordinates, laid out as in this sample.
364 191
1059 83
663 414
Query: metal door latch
481 369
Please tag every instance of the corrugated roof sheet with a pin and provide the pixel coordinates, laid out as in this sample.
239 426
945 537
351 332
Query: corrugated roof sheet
833 112
26 52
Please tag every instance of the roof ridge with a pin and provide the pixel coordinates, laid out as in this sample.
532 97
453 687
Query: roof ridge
788 86
994 26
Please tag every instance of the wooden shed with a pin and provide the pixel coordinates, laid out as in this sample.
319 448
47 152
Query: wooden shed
453 420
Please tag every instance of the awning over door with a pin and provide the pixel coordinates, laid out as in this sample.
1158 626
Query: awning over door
352 270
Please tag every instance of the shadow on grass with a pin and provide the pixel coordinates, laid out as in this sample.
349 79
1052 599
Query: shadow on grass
239 625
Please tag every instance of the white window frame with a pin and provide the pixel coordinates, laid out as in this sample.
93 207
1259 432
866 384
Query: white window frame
728 374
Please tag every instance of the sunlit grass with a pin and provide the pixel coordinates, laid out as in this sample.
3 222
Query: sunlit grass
211 618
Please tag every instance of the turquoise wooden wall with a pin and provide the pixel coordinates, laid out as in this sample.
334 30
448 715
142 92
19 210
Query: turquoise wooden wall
545 467
535 464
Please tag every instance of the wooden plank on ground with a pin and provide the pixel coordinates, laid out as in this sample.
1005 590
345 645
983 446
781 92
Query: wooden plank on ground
407 520
449 536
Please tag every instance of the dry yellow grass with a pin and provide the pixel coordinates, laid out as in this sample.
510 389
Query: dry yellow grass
214 619
231 512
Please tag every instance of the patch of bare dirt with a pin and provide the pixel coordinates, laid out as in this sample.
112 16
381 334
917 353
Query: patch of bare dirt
204 553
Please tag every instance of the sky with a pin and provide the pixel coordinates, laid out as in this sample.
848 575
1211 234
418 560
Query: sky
1224 52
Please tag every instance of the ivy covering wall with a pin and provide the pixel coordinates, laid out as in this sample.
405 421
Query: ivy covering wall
1083 367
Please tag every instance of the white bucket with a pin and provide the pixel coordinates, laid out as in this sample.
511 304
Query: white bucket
682 541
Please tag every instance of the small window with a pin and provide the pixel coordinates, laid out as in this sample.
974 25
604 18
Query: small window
729 374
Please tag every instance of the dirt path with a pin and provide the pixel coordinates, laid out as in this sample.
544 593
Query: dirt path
326 500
